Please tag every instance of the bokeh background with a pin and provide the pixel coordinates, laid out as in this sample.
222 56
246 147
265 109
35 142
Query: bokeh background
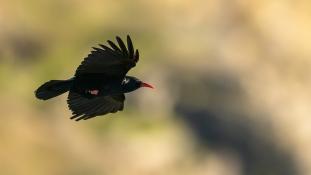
232 90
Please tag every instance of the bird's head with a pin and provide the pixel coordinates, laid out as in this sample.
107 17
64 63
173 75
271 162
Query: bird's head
132 83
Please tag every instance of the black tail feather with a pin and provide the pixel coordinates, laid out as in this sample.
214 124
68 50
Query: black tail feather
53 88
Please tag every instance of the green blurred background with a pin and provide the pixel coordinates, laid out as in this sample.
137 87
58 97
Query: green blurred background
232 85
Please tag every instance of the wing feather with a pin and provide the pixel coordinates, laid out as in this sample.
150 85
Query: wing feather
122 46
136 56
115 47
111 62
130 47
85 108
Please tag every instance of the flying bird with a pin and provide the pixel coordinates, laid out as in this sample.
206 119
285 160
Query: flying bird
99 83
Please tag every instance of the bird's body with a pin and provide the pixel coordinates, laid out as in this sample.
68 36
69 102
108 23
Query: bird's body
85 84
99 83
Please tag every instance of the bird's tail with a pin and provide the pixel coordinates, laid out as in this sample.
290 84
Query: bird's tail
53 88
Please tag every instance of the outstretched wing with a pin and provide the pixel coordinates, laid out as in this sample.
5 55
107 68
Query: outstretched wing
111 62
86 108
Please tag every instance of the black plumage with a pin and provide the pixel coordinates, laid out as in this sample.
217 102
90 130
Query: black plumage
100 81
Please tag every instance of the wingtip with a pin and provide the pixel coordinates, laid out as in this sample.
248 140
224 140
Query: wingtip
122 45
109 41
136 55
113 46
118 38
96 49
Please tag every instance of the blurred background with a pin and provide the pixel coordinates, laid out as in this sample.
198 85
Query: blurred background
232 90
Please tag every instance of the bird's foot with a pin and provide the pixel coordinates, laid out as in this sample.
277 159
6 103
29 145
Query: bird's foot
93 92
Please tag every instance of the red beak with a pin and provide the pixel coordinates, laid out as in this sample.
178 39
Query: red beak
146 85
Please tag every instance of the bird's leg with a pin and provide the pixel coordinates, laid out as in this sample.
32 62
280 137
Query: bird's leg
94 92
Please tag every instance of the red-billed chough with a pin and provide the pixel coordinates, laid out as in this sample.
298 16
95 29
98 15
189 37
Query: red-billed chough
99 83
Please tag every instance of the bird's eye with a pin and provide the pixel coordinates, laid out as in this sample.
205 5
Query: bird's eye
125 81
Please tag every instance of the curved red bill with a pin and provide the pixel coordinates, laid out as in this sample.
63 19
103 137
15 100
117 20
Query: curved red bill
146 85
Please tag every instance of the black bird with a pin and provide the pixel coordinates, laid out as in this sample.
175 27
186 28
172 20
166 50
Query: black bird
99 83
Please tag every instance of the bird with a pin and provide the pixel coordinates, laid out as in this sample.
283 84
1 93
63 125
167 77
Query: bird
100 81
